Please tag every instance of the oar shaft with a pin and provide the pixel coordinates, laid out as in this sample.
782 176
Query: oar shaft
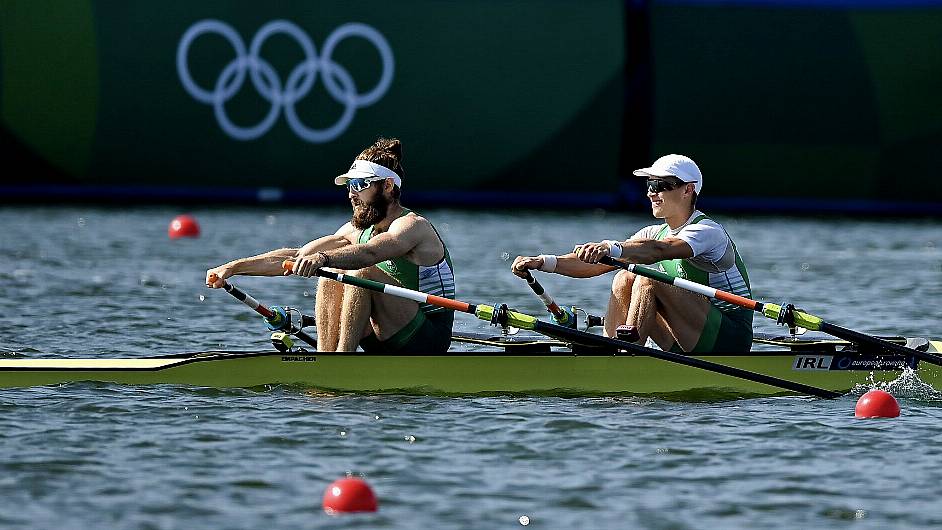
541 293
484 312
274 319
802 319
862 338
563 317
565 333
528 322
244 297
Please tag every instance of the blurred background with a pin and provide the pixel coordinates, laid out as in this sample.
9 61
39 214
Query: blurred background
788 106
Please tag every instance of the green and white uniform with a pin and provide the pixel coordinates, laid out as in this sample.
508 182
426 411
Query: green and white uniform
430 330
717 263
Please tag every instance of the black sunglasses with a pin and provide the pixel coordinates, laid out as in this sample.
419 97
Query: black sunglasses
659 185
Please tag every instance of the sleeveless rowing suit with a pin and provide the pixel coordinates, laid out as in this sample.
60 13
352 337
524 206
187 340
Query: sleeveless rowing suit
430 330
715 263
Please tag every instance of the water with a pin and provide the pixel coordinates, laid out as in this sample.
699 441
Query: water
87 282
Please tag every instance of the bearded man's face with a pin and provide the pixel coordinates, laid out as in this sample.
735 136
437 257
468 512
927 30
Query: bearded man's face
369 207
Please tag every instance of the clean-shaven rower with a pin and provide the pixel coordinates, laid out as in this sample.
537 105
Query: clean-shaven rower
687 245
383 241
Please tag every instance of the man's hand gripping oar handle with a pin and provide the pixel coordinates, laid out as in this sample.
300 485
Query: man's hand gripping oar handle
774 312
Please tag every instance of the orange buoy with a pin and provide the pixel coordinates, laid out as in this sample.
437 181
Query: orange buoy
349 495
183 226
877 404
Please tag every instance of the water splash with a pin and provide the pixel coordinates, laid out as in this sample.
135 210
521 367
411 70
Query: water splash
908 386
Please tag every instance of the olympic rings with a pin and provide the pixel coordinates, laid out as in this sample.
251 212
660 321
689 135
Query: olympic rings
337 80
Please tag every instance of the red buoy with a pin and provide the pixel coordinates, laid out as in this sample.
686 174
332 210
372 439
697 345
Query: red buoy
349 495
183 226
877 404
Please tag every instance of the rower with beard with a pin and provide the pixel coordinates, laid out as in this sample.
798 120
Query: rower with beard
383 241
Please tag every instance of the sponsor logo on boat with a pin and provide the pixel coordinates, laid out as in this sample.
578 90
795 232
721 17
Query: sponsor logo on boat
846 362
298 358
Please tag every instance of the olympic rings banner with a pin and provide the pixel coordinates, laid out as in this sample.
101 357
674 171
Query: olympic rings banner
484 95
792 105
337 80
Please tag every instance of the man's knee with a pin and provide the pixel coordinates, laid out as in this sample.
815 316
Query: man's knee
622 283
327 288
329 294
643 283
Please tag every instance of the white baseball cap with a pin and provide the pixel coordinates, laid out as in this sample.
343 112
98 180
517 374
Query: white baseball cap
364 169
678 166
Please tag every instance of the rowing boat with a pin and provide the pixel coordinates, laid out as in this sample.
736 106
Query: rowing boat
554 359
508 365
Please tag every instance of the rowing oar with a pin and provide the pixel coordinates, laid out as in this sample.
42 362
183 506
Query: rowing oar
277 320
775 312
502 316
562 316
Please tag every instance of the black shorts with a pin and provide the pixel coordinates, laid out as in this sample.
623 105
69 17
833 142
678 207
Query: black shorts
426 333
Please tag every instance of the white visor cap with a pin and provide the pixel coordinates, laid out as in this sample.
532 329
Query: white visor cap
363 169
678 166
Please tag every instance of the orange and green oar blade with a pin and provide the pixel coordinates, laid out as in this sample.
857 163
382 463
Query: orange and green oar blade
805 320
523 321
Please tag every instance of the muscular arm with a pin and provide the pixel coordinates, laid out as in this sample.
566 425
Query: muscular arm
570 265
403 236
269 263
648 251
645 251
583 261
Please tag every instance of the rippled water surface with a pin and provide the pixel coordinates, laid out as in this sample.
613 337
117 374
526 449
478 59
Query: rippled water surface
88 282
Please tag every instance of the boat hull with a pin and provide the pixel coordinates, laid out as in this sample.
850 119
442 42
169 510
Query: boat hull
556 373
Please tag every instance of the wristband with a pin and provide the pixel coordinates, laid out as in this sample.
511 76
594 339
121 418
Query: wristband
614 248
549 263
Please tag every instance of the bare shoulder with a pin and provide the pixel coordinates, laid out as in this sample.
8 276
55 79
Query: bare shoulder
411 223
347 231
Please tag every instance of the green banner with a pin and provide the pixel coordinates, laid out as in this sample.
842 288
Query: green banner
802 102
484 95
